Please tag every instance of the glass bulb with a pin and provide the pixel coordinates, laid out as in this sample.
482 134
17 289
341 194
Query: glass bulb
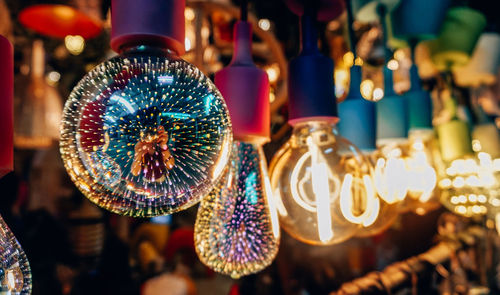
15 273
390 186
318 180
237 230
145 133
38 106
422 176
390 176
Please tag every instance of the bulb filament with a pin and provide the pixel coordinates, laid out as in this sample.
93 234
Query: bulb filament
152 156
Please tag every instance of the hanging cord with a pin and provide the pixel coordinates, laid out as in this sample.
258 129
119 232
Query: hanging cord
413 46
309 34
382 12
350 28
244 10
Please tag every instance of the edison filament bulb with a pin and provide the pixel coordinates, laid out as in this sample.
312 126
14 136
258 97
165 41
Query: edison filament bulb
145 133
422 176
390 175
321 185
237 230
388 189
15 273
358 124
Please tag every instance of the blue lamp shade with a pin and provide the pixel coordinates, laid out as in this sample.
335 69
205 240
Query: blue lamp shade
407 18
357 116
419 104
392 114
310 88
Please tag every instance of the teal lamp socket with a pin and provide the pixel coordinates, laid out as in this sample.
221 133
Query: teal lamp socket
392 114
419 104
357 116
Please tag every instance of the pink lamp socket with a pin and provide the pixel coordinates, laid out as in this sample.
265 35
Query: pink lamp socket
6 107
148 22
327 9
246 90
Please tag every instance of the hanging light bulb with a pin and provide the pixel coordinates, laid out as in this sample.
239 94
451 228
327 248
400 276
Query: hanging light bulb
38 107
314 175
237 230
391 179
146 133
463 190
422 177
314 180
392 132
358 124
15 275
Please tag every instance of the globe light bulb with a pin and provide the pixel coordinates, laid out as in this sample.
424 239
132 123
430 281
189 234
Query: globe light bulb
392 143
237 230
15 273
319 181
422 148
358 124
145 133
389 176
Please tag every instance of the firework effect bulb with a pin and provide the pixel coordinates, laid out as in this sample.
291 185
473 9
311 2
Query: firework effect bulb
145 133
237 230
15 273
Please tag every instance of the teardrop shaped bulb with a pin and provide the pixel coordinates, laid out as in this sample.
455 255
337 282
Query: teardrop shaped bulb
236 230
15 273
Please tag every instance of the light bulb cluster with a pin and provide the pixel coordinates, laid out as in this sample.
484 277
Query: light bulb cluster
470 186
148 134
